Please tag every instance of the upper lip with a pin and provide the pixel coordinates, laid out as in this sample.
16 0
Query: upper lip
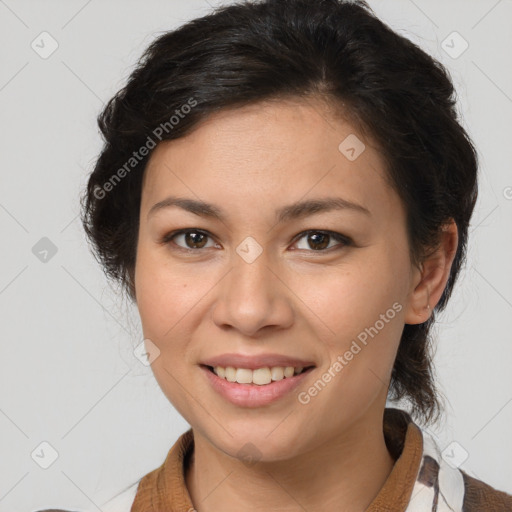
256 361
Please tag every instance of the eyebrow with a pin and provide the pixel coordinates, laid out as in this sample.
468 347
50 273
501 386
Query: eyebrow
296 210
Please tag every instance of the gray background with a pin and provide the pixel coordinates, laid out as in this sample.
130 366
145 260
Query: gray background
68 375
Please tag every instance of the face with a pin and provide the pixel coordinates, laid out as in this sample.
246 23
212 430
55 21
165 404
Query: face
254 281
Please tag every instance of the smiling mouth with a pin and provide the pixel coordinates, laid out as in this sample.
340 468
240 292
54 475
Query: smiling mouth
260 376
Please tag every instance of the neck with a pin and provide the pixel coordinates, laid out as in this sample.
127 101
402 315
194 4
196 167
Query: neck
345 473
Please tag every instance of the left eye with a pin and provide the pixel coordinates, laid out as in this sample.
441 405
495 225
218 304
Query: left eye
321 239
196 238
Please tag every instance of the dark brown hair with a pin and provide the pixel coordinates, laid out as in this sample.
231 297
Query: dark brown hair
271 49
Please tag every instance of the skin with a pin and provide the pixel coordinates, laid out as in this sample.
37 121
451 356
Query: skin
293 299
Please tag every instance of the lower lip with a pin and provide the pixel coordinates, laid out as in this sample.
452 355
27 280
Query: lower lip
253 395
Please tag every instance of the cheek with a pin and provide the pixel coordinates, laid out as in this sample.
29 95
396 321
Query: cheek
166 293
352 297
163 301
358 314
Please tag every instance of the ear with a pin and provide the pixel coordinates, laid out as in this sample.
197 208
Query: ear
429 281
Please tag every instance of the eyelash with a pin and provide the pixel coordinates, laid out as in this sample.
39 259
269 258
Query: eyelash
167 239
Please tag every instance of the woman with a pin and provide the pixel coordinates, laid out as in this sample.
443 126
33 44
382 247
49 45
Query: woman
285 192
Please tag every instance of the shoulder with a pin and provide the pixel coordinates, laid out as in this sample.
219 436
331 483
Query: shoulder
451 487
480 496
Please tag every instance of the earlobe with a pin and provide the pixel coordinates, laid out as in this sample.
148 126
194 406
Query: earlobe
418 309
430 279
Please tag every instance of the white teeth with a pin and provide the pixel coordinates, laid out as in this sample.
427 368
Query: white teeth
277 373
289 371
260 376
243 376
230 374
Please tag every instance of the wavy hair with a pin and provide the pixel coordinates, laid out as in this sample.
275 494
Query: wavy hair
271 49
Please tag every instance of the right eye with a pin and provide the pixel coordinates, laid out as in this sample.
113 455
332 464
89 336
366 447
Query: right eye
193 239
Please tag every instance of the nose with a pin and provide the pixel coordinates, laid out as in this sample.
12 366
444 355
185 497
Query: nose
252 296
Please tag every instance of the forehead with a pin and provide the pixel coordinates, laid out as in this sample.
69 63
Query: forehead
267 151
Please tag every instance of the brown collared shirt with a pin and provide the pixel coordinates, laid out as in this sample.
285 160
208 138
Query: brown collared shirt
423 478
